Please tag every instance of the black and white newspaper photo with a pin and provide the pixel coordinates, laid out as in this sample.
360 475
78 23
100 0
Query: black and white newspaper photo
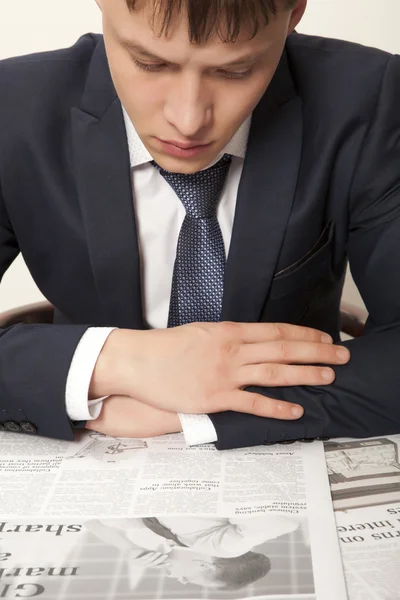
153 519
153 558
365 485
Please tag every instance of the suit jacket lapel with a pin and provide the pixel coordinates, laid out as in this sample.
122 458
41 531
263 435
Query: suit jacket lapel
102 170
265 198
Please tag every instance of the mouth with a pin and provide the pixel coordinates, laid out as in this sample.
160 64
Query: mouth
184 145
182 149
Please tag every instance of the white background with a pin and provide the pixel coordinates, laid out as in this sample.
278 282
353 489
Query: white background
33 25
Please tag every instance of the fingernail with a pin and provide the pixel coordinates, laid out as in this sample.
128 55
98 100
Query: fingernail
327 374
297 411
343 354
326 339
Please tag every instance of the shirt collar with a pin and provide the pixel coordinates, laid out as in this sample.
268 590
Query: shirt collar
139 154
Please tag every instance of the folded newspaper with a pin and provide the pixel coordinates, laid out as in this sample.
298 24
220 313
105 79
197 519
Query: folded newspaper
106 518
365 484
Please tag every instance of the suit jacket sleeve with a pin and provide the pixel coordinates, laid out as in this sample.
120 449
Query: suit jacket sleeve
34 361
364 400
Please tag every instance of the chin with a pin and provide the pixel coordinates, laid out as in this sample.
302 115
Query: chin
187 167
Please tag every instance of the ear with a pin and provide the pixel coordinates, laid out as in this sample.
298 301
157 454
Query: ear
297 15
206 564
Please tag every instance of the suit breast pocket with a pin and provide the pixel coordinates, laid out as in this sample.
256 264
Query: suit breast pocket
305 273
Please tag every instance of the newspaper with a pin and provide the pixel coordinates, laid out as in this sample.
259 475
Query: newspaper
107 518
365 485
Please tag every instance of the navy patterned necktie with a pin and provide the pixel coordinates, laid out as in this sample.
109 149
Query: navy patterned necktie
155 526
198 278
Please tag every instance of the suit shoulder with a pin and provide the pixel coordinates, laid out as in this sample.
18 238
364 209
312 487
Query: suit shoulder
23 78
336 73
339 57
78 53
36 87
333 46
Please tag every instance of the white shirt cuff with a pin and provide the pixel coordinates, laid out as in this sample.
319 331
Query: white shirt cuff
197 429
79 408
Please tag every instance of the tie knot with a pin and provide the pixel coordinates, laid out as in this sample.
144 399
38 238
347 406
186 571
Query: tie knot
199 192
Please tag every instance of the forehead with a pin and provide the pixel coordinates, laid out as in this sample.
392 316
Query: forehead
142 28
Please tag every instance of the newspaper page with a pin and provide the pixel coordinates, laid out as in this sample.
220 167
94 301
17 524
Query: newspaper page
148 519
365 485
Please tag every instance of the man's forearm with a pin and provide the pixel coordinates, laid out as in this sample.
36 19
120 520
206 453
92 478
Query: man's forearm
110 535
122 416
362 402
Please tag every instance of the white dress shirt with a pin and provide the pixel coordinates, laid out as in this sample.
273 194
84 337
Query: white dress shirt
159 216
214 536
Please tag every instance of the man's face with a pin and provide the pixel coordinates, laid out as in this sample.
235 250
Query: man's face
187 566
193 95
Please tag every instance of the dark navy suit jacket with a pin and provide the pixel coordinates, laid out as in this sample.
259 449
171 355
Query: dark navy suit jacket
320 186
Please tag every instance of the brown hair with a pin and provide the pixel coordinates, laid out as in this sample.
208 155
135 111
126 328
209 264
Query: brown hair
239 571
204 16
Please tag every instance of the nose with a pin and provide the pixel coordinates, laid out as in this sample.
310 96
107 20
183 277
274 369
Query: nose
188 106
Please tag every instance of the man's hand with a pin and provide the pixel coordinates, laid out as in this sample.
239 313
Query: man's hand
204 367
126 417
147 559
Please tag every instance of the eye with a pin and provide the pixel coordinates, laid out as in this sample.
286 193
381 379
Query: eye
157 67
151 67
237 75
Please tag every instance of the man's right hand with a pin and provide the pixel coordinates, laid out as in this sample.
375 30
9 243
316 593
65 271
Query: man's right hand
204 367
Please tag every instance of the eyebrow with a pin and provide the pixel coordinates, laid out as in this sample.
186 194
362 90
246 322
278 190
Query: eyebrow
250 58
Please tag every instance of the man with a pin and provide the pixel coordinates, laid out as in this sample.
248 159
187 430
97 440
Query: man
196 166
216 536
210 552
